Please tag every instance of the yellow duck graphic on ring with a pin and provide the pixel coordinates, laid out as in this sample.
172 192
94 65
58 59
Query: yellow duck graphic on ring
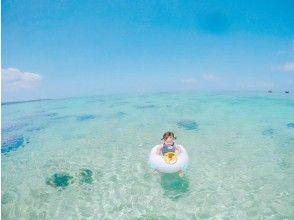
170 157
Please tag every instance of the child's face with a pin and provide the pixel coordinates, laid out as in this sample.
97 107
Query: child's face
169 140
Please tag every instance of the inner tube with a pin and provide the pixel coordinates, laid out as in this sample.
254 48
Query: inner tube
169 163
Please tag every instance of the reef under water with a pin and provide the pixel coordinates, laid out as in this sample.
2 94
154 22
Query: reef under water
188 124
13 144
60 180
86 117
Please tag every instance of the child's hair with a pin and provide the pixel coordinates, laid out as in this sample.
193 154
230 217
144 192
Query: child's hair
168 134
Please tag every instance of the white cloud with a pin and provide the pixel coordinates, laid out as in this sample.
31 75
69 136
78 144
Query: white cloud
209 77
288 67
252 85
189 80
200 79
14 80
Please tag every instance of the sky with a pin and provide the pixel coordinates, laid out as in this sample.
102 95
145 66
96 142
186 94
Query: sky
53 49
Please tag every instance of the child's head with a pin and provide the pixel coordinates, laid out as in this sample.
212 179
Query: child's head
168 137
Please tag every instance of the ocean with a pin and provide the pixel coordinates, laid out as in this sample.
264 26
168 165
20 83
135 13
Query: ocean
87 157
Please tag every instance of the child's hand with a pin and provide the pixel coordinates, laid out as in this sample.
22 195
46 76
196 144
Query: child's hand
178 149
158 152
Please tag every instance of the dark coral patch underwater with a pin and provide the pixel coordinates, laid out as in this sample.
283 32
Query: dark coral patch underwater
52 114
14 127
62 180
290 125
86 117
64 117
12 144
145 106
120 114
36 129
268 132
188 124
86 176
174 186
59 180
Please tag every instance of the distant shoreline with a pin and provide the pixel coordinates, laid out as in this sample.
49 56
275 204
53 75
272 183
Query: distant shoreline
222 92
17 102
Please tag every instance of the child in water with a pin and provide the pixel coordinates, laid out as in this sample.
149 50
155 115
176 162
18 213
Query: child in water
168 145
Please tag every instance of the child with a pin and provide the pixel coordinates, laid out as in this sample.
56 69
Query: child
169 145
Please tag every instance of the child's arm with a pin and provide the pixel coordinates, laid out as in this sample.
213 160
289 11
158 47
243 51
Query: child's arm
178 149
159 149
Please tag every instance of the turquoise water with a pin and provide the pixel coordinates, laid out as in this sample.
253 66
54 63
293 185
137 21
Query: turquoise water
86 158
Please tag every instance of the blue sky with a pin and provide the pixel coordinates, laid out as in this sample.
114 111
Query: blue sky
65 48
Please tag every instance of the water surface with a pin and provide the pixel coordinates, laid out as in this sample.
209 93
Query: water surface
86 158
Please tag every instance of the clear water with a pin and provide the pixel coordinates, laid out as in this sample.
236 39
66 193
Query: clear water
86 158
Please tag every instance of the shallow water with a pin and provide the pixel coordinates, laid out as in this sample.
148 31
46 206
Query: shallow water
86 158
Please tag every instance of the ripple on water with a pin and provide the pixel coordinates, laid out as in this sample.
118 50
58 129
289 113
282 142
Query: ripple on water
153 216
174 186
283 163
221 181
121 102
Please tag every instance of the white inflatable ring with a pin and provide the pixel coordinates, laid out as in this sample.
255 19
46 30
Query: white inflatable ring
157 161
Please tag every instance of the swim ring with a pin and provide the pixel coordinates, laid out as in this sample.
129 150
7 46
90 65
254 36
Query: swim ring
170 162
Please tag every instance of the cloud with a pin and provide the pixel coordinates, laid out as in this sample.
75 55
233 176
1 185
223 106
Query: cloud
189 81
253 85
200 79
209 77
14 80
288 67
